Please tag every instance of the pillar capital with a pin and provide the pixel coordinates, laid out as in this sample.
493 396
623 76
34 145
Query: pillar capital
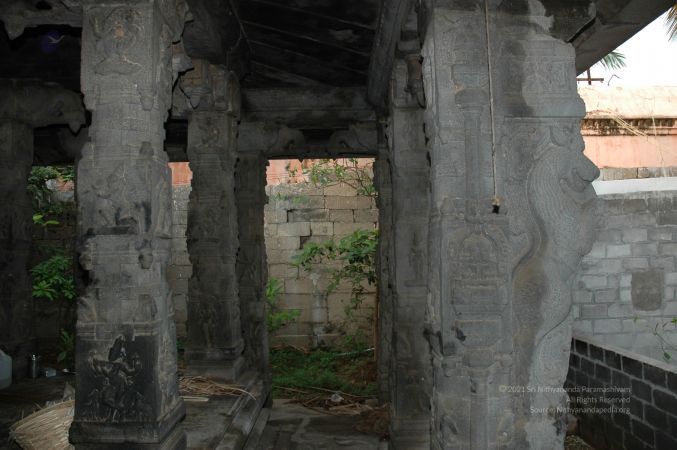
126 51
211 88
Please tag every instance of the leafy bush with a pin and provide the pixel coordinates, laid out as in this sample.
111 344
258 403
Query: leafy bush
67 348
41 194
325 369
347 171
357 252
277 318
53 279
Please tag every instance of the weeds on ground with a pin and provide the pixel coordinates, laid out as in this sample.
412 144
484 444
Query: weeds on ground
302 374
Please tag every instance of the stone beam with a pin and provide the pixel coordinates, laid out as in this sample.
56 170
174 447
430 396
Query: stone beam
280 142
17 15
311 107
25 105
394 14
127 394
511 215
614 23
40 104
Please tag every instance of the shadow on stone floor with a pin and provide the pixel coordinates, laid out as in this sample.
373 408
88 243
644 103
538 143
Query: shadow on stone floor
294 427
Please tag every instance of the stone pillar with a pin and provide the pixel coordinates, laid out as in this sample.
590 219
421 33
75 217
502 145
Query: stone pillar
252 269
410 368
214 346
127 394
510 219
16 300
25 105
383 184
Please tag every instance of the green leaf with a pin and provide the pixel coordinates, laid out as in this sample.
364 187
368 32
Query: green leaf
613 61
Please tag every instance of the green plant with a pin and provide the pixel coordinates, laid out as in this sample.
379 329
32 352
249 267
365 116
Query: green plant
53 279
357 255
276 317
614 60
308 374
672 23
349 171
667 347
41 194
66 348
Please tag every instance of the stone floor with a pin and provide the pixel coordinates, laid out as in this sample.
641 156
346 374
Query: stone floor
23 398
294 427
289 426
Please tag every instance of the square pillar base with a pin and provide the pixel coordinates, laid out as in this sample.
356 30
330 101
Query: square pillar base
223 371
127 435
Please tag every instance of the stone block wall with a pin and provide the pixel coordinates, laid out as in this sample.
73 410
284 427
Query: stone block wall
295 215
638 409
625 287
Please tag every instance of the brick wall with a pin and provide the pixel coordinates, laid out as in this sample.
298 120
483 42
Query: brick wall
301 213
644 397
625 287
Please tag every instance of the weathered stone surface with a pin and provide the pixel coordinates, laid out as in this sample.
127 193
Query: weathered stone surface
16 305
410 371
509 222
251 265
214 346
647 290
127 392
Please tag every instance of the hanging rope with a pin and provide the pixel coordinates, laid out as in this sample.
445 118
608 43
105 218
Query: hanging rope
496 204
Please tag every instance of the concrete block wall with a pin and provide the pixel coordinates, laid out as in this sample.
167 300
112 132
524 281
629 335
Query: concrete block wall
638 409
295 215
625 288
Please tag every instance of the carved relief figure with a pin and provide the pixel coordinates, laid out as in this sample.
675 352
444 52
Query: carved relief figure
118 35
117 397
561 198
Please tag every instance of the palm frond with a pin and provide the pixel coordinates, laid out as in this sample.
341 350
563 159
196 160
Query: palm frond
672 23
614 60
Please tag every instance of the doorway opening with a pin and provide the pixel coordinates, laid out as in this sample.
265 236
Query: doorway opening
321 232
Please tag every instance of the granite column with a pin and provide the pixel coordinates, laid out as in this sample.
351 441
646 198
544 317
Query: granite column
127 394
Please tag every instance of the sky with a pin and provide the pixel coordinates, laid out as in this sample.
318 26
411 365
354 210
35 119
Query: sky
650 59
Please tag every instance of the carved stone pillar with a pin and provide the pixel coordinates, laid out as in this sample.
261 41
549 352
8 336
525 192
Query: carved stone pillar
25 105
16 301
384 187
410 367
214 347
252 269
127 394
510 218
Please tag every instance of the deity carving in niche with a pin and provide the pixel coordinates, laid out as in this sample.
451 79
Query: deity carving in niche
117 36
117 396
